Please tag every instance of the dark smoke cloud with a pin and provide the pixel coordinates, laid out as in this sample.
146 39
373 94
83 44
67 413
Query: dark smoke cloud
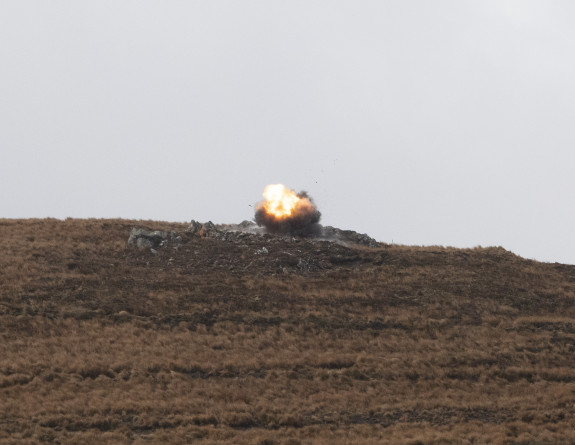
304 220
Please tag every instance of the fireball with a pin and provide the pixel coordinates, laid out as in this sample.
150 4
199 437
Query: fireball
285 211
280 201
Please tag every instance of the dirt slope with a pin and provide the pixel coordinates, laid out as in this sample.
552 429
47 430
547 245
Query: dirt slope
222 341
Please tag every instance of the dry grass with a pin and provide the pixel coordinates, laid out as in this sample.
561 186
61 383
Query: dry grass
100 343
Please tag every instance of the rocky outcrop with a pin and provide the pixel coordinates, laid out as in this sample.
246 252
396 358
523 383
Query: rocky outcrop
153 239
240 232
207 229
194 227
330 233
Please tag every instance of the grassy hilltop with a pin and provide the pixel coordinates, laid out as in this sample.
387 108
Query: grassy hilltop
304 342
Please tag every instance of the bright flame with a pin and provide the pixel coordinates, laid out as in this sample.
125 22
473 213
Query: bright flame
279 200
285 211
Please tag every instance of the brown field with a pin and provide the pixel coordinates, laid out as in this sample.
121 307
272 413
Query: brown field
312 343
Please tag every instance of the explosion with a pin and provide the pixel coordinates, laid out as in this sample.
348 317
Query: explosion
285 211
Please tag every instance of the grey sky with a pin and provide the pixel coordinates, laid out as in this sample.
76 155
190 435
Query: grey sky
418 122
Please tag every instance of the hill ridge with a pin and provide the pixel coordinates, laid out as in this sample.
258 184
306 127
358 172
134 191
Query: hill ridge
310 341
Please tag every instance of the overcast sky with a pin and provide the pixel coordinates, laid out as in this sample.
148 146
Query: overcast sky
417 122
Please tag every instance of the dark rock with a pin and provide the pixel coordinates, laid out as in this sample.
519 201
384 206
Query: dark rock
194 227
245 224
330 233
208 229
145 238
176 240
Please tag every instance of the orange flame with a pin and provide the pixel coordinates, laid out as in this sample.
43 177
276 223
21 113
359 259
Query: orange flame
285 211
280 201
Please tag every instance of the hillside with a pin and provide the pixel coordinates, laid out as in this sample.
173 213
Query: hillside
262 339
